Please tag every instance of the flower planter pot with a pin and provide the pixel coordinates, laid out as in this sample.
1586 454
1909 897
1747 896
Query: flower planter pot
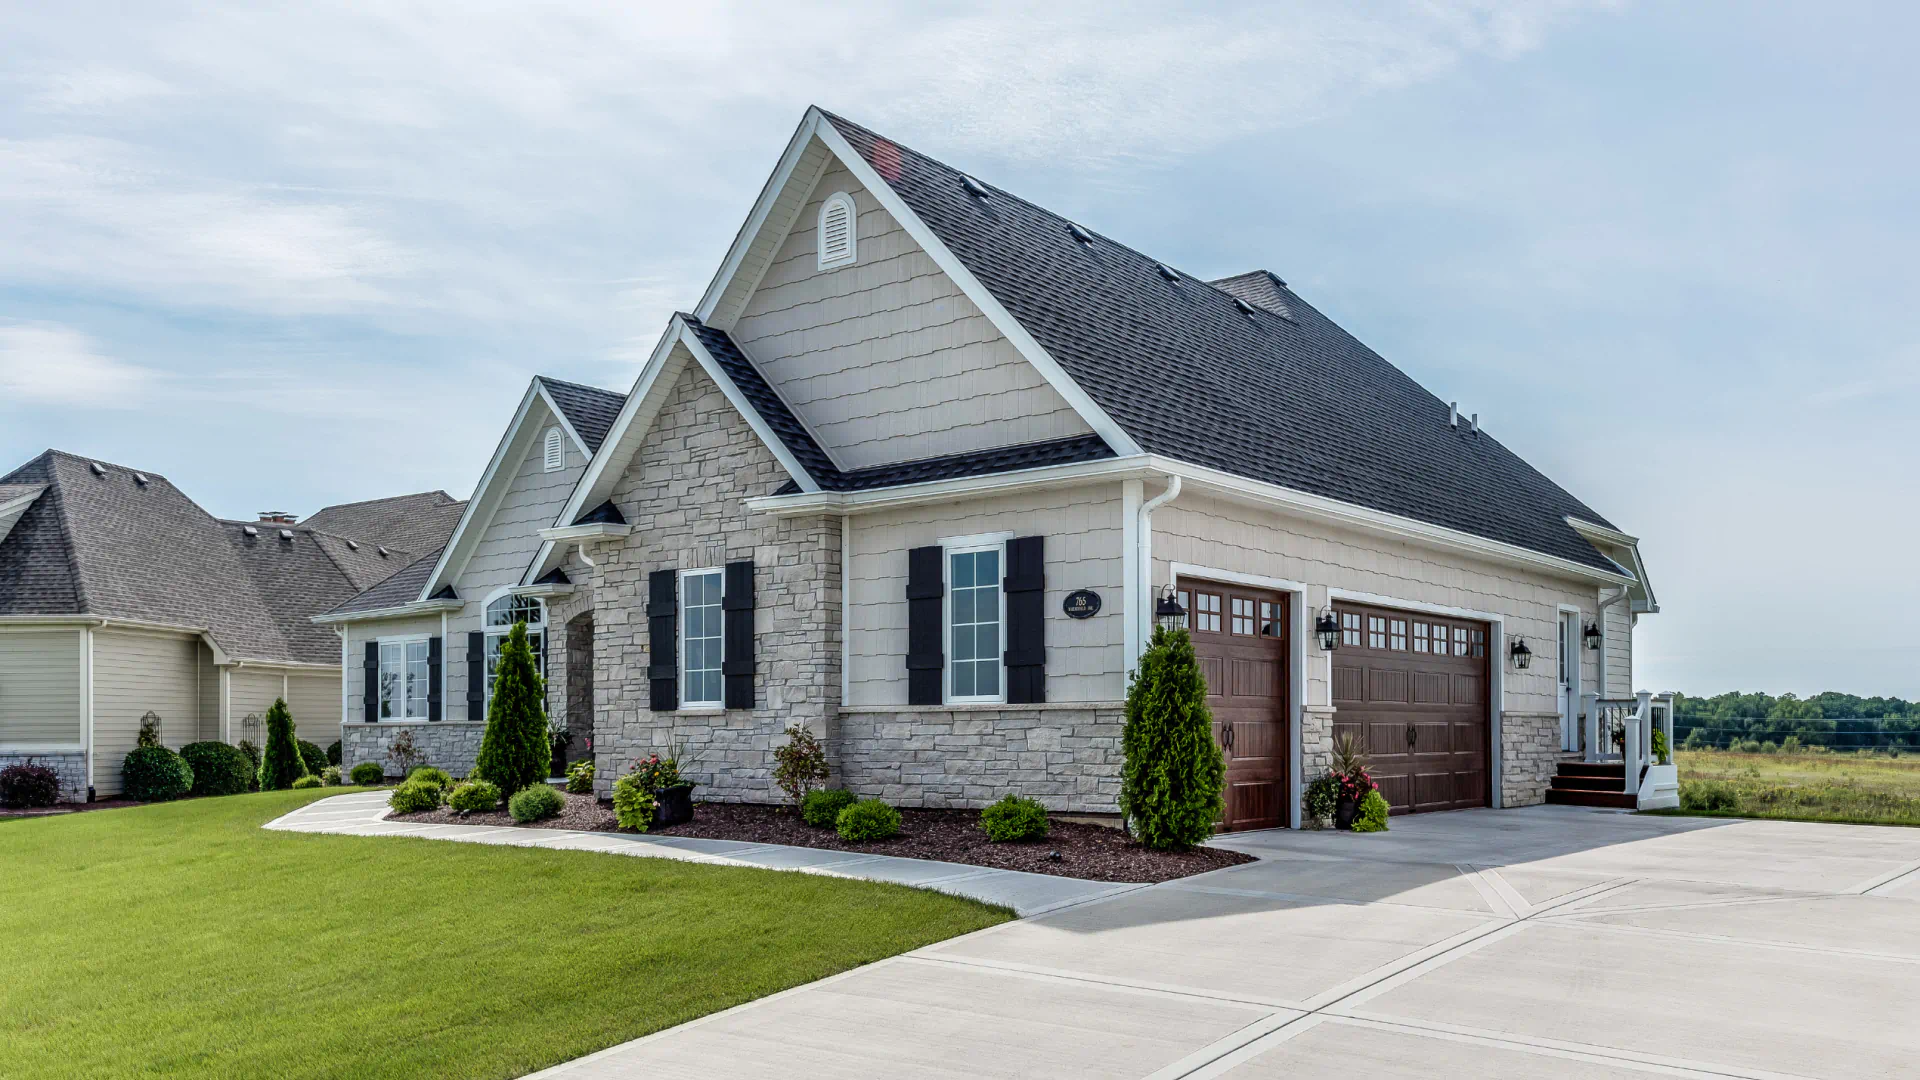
1344 812
673 806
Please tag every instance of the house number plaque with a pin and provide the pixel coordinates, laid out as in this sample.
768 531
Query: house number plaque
1081 604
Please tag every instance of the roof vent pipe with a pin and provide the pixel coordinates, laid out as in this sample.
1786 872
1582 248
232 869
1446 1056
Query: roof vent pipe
1473 425
98 469
1453 415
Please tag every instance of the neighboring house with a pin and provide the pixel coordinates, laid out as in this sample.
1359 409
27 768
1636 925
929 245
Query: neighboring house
419 647
120 596
918 466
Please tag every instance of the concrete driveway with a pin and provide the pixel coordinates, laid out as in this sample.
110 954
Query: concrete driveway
1552 941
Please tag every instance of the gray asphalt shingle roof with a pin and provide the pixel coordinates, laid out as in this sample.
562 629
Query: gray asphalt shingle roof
589 409
1296 402
402 588
409 523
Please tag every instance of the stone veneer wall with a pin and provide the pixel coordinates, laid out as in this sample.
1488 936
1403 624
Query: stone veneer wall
564 699
684 495
70 767
450 744
1067 756
1529 756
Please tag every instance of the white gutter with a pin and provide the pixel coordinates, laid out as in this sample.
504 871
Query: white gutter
595 531
418 607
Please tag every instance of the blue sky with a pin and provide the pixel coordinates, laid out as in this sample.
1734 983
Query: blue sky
1663 250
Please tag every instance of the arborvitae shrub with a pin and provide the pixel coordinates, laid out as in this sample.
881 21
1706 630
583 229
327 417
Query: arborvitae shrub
516 752
280 762
1171 780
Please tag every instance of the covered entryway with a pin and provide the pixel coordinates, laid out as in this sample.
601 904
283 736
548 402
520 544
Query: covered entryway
1239 636
1411 689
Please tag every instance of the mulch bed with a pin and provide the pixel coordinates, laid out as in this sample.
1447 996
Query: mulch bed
1072 849
1094 852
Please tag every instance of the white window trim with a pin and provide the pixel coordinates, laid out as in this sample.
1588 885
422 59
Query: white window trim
838 198
380 673
681 627
961 545
555 450
488 633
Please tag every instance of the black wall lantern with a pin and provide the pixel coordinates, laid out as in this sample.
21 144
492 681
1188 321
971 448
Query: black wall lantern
1591 635
1522 656
1327 626
1167 610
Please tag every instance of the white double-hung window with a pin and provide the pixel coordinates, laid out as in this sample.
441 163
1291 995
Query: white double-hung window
502 612
702 639
403 679
976 614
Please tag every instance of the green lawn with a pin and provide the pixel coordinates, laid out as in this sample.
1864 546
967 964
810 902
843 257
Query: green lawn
1864 789
182 940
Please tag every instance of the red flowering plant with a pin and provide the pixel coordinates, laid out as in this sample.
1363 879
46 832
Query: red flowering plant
1355 785
657 773
1350 769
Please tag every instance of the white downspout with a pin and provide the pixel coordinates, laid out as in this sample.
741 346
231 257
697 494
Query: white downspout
580 549
1145 615
1602 618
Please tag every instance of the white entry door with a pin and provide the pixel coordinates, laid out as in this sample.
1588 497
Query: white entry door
1569 681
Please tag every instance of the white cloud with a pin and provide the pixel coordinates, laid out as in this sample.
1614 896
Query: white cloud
46 364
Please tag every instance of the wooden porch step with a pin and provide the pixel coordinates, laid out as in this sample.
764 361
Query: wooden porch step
1587 783
1619 800
1593 768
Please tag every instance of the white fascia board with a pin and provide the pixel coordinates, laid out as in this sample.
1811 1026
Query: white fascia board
757 219
566 425
418 607
862 502
479 512
597 531
1645 603
12 510
746 410
1376 521
989 305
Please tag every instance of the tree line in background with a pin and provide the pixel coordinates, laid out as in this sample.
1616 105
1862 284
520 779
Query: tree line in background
1830 720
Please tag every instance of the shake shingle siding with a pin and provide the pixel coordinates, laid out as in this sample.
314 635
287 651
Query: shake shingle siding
1295 401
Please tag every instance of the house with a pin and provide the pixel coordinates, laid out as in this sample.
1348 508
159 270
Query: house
919 468
419 648
119 597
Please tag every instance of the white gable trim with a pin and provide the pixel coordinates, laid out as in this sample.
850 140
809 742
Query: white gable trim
486 495
12 510
816 125
560 415
1645 603
636 417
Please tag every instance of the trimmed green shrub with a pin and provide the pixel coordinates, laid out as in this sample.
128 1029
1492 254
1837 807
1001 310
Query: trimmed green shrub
536 802
414 797
580 777
475 795
821 808
516 751
248 748
307 781
155 774
867 819
28 785
218 769
1371 815
333 752
1715 795
632 804
1171 780
1013 819
367 774
330 776
280 762
800 765
431 775
311 756
1322 799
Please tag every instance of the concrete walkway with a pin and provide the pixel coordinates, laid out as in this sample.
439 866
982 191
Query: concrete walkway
364 814
1553 941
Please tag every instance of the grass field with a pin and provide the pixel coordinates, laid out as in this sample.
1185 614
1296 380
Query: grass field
1809 787
181 940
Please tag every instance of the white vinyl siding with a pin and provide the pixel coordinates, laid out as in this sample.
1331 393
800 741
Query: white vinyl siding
209 690
133 674
314 701
885 359
1083 531
253 691
702 639
1619 646
40 688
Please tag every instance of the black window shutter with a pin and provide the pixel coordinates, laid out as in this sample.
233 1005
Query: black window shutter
926 656
1026 656
663 640
370 694
433 679
476 675
737 602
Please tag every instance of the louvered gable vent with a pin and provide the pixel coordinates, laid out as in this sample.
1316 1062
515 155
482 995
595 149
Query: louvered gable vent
837 240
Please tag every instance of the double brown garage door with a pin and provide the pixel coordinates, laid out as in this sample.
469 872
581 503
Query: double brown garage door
1412 691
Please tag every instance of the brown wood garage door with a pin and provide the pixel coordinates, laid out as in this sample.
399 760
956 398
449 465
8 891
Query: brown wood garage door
1239 636
1412 690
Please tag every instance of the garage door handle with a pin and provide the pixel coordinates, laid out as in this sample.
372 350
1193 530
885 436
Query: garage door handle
1226 736
1411 737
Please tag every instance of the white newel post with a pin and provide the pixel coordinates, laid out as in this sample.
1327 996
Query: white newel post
1630 759
1590 709
1644 717
1666 720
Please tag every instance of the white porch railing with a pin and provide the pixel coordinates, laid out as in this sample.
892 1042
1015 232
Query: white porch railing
1621 729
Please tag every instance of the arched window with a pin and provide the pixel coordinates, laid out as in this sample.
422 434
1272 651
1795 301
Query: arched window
502 612
556 451
837 239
